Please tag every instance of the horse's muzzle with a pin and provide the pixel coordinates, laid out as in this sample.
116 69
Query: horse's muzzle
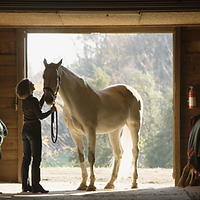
49 96
49 100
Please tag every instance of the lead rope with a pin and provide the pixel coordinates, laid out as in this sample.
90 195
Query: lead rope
54 137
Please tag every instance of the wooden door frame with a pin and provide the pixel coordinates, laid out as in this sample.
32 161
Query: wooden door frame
176 105
176 70
21 73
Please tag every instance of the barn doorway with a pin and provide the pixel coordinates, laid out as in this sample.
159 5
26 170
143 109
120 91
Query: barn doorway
143 61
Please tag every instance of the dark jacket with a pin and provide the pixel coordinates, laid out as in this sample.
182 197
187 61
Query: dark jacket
31 109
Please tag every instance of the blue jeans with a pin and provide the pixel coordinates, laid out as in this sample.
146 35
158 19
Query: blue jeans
32 148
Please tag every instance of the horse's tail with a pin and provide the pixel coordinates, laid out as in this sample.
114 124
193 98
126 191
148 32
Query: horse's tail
126 161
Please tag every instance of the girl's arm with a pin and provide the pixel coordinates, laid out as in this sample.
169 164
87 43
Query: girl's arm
38 111
41 102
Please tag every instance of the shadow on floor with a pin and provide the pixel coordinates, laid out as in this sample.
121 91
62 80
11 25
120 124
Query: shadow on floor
175 193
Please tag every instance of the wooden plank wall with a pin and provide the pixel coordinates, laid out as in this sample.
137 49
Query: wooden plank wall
189 75
8 114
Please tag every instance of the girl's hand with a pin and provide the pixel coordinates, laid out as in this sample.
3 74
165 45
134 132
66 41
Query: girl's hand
53 109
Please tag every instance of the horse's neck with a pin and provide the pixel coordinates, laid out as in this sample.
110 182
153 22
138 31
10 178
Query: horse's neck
71 85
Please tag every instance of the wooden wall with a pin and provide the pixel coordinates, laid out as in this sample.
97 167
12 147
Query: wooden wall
10 72
189 75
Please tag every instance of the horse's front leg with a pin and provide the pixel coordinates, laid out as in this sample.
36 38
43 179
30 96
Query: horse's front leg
83 185
78 140
91 138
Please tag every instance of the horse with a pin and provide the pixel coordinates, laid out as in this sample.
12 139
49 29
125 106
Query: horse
88 112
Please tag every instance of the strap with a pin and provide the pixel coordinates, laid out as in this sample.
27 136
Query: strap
54 137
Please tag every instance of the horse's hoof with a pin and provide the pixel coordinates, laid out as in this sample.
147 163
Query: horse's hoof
109 186
91 188
82 187
134 186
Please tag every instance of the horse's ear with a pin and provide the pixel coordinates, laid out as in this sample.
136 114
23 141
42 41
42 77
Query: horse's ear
59 63
45 62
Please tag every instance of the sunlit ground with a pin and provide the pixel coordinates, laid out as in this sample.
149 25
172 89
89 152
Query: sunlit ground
67 179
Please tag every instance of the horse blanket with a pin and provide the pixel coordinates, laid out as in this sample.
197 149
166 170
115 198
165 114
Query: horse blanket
194 144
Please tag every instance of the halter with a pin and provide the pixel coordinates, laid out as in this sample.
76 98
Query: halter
57 88
54 137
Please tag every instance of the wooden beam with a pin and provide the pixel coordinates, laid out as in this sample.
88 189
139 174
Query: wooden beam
73 19
176 106
101 29
20 64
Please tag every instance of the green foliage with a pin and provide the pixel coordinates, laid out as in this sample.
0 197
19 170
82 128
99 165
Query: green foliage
100 79
103 151
156 139
157 147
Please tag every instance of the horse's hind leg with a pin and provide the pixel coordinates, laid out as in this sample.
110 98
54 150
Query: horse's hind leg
117 151
78 140
134 129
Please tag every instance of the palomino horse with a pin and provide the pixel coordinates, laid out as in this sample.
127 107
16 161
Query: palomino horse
88 112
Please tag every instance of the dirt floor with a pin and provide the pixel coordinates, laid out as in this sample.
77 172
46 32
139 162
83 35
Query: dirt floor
148 178
62 183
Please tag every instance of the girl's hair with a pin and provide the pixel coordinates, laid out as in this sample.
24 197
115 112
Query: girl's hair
22 89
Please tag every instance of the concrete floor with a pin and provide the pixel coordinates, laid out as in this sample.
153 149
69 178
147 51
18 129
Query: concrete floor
61 191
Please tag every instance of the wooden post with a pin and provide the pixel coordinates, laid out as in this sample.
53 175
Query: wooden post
176 106
21 73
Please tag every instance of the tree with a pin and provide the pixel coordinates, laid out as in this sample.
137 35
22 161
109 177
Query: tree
100 79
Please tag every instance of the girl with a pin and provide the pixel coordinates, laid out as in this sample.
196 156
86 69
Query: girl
31 135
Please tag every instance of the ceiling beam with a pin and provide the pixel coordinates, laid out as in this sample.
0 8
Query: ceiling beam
63 19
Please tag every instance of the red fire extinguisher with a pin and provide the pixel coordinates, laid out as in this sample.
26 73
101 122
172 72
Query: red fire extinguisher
192 98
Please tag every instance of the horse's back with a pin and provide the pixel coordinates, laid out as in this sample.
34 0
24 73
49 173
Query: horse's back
122 92
118 104
134 102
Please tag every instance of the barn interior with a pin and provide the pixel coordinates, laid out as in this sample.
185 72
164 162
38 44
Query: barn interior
18 18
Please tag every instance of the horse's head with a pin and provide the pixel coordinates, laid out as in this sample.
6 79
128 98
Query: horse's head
51 81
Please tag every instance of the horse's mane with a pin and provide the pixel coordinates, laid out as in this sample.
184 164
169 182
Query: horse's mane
66 70
77 79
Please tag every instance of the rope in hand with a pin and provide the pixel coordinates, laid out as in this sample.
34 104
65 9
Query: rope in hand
54 137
